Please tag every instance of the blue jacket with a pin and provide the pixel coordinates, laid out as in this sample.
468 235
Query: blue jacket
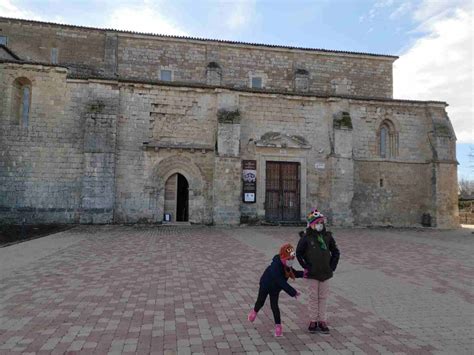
273 279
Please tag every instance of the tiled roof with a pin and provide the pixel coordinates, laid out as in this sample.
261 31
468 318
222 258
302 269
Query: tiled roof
203 39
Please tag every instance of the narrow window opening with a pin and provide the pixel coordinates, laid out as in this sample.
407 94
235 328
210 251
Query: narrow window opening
25 106
166 75
54 56
387 140
21 101
257 82
383 142
381 182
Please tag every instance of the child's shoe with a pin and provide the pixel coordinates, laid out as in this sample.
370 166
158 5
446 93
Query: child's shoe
323 327
313 327
278 330
252 315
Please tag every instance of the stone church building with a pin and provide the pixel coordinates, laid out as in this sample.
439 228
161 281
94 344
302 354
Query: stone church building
107 126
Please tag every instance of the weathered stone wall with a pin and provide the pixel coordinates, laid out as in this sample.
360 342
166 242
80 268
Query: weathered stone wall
101 151
447 212
410 122
341 166
99 109
179 128
444 168
227 190
340 75
144 57
289 116
98 52
466 217
41 163
327 73
398 190
391 193
33 41
227 184
346 177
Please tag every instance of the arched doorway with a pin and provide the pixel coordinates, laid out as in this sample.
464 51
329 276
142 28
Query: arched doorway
177 198
182 197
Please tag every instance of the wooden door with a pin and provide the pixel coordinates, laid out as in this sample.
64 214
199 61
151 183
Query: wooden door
282 192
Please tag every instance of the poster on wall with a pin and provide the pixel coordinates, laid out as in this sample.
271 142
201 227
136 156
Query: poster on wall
249 177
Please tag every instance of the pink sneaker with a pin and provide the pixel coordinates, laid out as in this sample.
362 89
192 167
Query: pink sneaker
278 330
252 315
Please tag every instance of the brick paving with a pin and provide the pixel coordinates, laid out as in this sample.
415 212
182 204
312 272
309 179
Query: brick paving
183 290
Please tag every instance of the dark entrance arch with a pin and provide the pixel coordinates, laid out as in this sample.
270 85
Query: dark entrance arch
182 199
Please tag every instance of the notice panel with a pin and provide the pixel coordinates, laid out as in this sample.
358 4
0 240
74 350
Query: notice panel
249 181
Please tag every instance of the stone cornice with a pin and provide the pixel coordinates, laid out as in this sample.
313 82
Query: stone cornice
30 63
401 161
157 145
250 91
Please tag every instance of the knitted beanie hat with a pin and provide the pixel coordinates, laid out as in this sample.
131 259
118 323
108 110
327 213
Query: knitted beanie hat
314 217
287 251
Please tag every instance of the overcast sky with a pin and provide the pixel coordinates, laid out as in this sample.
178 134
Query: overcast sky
434 38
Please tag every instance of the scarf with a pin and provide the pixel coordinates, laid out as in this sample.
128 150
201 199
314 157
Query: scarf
319 238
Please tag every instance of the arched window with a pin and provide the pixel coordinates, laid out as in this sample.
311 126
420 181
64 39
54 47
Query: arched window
21 101
388 140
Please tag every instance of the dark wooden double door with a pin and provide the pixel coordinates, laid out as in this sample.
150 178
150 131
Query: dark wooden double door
282 192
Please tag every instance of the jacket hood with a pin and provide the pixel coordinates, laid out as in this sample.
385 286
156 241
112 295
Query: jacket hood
276 259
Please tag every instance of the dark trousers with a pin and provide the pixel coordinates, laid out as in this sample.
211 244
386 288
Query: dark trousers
262 296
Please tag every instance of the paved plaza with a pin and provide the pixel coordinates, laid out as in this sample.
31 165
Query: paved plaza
188 289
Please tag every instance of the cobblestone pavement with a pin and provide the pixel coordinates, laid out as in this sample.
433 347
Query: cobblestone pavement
181 290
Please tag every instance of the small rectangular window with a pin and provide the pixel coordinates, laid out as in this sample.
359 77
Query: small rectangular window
257 82
54 56
3 40
165 75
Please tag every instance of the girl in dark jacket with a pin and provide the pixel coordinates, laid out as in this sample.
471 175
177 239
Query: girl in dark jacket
275 279
318 254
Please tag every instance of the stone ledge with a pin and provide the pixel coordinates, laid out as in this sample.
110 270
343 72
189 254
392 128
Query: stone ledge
127 81
53 209
400 161
168 145
397 161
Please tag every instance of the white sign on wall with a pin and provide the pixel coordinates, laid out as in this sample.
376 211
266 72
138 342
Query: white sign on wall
249 197
320 166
